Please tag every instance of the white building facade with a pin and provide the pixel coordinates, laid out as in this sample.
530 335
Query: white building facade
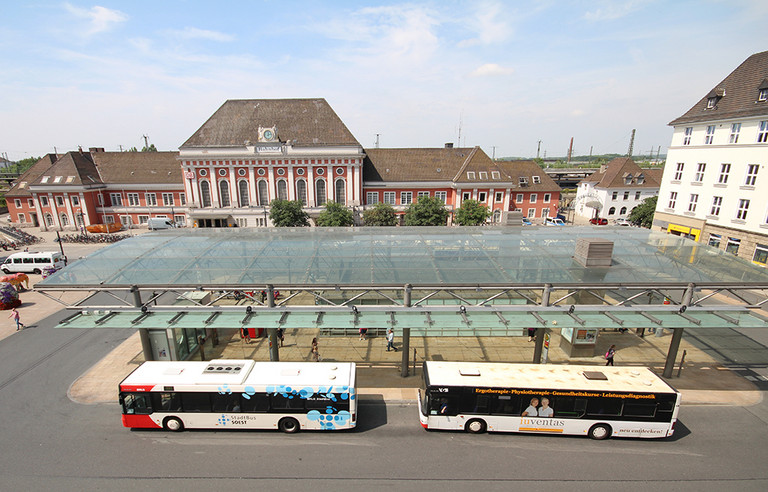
715 184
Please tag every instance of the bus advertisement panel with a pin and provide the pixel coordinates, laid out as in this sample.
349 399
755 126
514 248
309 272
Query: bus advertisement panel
596 401
240 394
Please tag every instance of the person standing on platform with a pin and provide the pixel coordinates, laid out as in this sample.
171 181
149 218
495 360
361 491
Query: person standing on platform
315 350
609 355
391 339
17 317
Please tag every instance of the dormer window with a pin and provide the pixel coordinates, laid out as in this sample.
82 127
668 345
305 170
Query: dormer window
470 174
483 175
640 179
23 184
711 101
57 179
44 179
715 96
762 95
495 175
627 178
523 180
536 180
70 179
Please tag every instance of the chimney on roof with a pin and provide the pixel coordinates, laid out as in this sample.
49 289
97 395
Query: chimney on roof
80 148
449 145
95 149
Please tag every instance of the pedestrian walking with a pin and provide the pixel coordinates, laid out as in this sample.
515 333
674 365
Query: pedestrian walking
281 336
17 317
609 355
391 340
363 333
531 334
315 350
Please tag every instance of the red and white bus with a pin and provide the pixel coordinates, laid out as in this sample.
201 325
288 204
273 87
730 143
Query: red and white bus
596 401
240 394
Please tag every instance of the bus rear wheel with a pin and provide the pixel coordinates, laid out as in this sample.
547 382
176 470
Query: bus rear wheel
36 271
173 424
475 426
600 431
288 425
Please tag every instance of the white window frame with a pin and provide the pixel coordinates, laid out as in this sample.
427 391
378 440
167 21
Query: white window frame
725 169
151 199
17 202
422 194
700 169
692 202
743 209
406 197
762 132
499 197
168 200
533 197
371 197
717 202
536 179
143 219
390 197
751 178
59 201
762 95
116 199
615 195
133 199
482 196
735 129
470 174
710 136
531 213
442 196
466 195
687 135
547 197
495 175
672 199
483 175
679 171
519 198
75 200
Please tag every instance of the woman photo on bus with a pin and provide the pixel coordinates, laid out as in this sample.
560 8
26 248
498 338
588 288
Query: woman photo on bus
532 411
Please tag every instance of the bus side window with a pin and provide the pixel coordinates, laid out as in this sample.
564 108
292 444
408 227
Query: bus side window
136 403
570 407
442 404
639 410
195 402
604 406
280 403
507 405
322 404
166 402
229 402
473 403
255 403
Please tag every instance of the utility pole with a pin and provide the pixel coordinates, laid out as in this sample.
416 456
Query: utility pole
631 143
570 151
494 153
461 115
590 153
538 149
146 145
377 140
121 148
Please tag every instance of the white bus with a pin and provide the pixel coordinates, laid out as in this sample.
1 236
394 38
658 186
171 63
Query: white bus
596 401
240 394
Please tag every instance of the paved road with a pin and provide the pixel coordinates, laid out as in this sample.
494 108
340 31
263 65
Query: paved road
51 442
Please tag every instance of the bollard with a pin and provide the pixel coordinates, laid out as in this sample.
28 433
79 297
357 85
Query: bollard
680 367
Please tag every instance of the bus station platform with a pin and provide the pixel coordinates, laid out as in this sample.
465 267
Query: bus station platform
702 380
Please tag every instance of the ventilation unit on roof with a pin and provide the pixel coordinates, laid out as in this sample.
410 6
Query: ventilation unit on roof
523 181
223 368
595 376
592 252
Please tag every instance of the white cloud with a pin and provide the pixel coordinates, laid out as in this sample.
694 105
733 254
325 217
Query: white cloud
491 69
100 18
613 11
488 26
195 33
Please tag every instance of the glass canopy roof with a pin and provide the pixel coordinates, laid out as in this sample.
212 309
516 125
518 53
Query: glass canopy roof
394 256
423 322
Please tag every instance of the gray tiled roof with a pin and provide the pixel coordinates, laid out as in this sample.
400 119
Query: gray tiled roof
306 122
30 176
739 94
73 168
612 175
139 167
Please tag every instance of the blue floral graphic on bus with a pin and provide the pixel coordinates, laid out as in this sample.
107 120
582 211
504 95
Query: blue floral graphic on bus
332 417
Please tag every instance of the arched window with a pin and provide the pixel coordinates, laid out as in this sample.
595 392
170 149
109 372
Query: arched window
623 211
242 186
611 210
341 191
497 216
205 193
48 219
282 190
301 191
263 195
64 220
224 193
79 219
320 192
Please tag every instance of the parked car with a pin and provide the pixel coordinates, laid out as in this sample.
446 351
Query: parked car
527 221
623 222
598 221
554 222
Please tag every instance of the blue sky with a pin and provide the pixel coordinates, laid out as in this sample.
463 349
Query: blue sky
507 73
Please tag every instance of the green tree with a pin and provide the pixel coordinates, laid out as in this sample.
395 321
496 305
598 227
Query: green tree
471 213
427 211
335 215
133 149
151 148
286 213
643 213
382 214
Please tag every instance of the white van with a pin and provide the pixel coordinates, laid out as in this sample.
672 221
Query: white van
33 262
160 223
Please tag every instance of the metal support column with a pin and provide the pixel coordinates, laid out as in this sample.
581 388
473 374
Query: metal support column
541 330
406 332
677 335
146 344
274 350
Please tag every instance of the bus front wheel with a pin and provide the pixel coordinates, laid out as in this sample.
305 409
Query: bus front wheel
173 424
475 426
288 425
600 431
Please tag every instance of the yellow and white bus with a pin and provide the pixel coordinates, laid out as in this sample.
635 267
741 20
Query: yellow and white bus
594 401
240 394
